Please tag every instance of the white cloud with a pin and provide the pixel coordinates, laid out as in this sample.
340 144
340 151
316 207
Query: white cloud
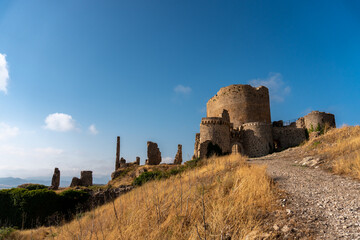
48 151
182 89
4 73
93 129
7 131
277 88
167 160
60 122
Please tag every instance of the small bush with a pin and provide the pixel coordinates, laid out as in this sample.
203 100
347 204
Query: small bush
192 163
5 232
148 176
31 186
21 207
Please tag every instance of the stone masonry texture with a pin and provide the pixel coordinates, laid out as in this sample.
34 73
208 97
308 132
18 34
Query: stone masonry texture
55 182
244 104
86 178
178 157
153 154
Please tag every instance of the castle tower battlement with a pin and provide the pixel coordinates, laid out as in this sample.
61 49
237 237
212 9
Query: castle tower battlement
244 104
214 121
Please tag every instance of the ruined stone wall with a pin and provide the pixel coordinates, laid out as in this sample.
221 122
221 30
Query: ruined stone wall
197 146
217 131
244 104
178 156
316 118
286 137
153 154
258 139
86 178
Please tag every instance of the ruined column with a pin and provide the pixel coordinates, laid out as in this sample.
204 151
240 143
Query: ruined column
178 157
122 163
55 182
117 161
137 160
86 178
153 154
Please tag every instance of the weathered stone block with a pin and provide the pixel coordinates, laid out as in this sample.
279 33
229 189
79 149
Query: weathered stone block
75 182
153 154
86 178
55 182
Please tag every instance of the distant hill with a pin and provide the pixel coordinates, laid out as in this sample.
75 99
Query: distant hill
11 182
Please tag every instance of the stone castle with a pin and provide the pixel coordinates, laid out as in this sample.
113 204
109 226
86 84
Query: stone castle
239 121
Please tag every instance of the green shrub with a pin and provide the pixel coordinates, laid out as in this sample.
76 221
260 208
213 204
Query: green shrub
73 200
192 163
31 186
148 176
5 232
320 129
21 207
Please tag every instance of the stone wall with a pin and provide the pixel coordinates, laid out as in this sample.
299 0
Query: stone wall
258 139
178 157
86 178
217 131
244 104
197 146
153 154
286 137
316 118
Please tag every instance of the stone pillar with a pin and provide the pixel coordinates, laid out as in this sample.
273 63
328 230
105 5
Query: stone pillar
178 157
55 182
153 154
86 178
75 182
137 160
117 161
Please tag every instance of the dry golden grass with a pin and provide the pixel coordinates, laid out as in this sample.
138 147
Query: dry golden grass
341 148
224 197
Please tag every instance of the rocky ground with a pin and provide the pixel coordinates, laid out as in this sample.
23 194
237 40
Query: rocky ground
318 204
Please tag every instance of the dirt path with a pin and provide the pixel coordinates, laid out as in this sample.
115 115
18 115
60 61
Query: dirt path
327 204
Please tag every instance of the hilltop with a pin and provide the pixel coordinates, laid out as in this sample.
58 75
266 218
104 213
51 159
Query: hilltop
291 194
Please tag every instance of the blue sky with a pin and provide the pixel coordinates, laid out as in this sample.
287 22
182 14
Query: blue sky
75 74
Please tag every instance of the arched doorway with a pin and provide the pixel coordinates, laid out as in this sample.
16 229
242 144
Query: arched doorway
237 148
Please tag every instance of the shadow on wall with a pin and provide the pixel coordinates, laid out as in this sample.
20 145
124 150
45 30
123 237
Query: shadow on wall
208 149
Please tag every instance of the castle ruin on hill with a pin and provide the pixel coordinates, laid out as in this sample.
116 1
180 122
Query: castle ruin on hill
239 121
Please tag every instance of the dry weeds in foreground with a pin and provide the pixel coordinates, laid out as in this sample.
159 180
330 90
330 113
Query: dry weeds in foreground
342 148
225 197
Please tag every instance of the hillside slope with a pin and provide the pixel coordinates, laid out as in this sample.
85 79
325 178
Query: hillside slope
223 198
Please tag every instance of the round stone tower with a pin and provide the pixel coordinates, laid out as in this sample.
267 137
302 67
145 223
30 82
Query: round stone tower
216 130
243 102
258 139
317 119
